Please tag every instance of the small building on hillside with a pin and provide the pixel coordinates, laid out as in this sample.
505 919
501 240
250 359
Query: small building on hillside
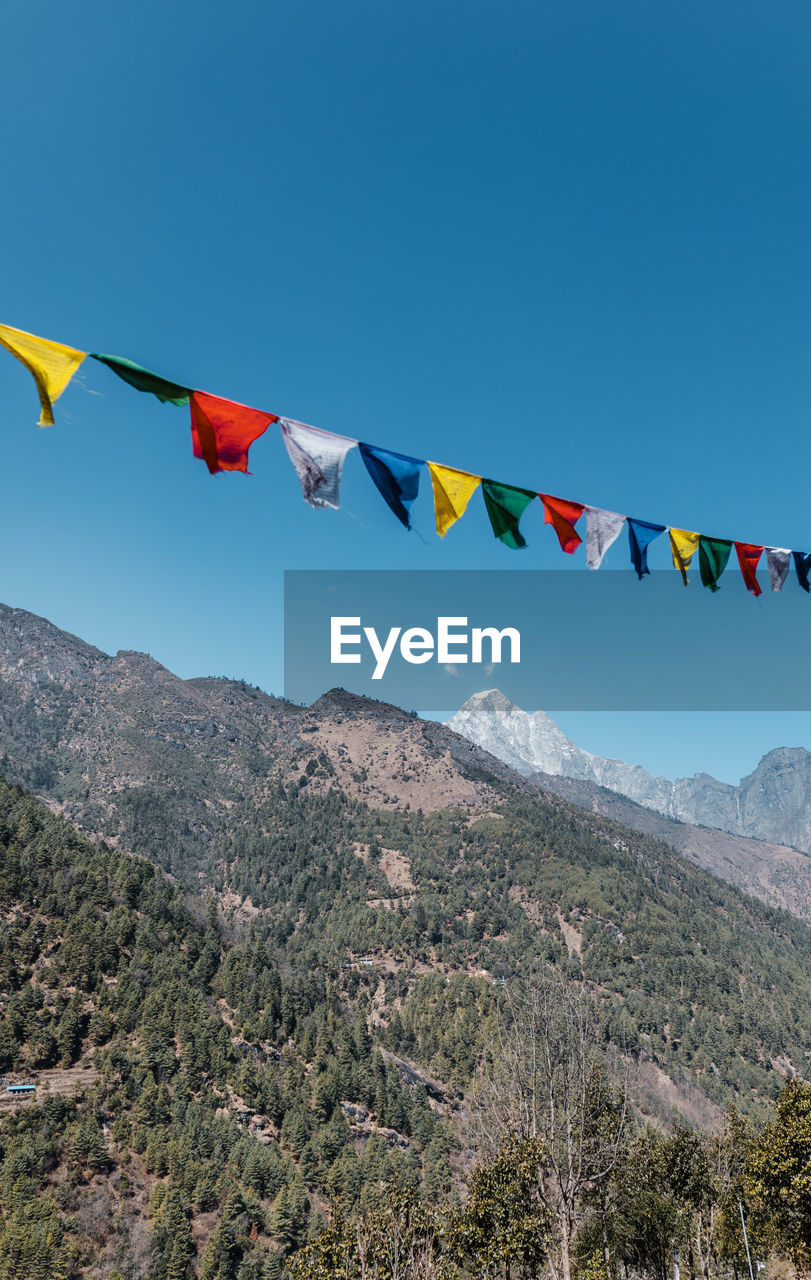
20 1088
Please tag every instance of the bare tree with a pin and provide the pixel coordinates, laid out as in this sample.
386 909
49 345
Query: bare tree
546 1077
395 1239
394 1248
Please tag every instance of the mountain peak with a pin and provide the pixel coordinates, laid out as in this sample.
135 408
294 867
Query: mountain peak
343 703
490 700
494 702
520 739
784 757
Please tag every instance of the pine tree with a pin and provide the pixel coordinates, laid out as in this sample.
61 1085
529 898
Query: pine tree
178 1231
69 1037
273 1267
282 1225
205 1192
222 1255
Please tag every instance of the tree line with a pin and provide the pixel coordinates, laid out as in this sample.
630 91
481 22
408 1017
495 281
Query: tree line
572 1184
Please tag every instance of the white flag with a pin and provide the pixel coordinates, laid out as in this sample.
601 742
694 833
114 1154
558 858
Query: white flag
778 560
602 528
318 457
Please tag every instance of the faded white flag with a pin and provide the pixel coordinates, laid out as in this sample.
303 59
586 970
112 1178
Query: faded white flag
602 529
318 457
778 560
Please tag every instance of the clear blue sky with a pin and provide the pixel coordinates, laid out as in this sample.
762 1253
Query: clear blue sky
563 246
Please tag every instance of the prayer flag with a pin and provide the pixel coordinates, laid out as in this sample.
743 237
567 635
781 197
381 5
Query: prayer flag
640 535
778 560
683 544
748 557
602 529
140 378
396 476
713 554
318 457
505 506
563 517
50 364
222 431
452 492
802 564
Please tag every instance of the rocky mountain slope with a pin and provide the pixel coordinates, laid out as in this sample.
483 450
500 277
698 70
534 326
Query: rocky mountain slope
151 762
774 873
772 803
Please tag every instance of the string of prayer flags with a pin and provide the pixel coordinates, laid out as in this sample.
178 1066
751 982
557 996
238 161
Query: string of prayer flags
602 530
143 380
223 431
713 554
318 457
452 492
51 365
563 517
778 560
749 558
641 534
683 544
802 564
397 478
505 506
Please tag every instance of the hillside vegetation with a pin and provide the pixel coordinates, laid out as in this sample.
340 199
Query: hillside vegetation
702 981
213 1079
209 1086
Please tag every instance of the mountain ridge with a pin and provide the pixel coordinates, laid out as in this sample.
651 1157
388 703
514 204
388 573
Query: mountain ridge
769 804
143 759
127 749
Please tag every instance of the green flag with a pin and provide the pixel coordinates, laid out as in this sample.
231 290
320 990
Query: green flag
713 554
505 506
140 378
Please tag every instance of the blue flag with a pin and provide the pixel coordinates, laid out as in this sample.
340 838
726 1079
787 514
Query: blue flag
802 563
396 476
640 536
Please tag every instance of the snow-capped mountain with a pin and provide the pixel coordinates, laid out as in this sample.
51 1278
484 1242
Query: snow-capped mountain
771 803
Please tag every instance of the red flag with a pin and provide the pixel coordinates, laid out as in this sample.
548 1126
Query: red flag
563 516
222 431
748 556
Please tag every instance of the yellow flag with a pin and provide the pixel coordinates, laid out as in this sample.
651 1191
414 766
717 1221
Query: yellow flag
683 544
51 365
452 492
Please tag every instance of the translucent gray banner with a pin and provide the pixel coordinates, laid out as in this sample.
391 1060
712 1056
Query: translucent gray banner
556 639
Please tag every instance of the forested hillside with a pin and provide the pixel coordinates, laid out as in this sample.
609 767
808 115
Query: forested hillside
776 874
200 1111
702 981
189 1097
215 1078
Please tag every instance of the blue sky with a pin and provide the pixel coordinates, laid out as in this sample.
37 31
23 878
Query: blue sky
564 246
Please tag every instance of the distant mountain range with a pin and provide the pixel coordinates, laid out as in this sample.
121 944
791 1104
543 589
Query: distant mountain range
771 803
